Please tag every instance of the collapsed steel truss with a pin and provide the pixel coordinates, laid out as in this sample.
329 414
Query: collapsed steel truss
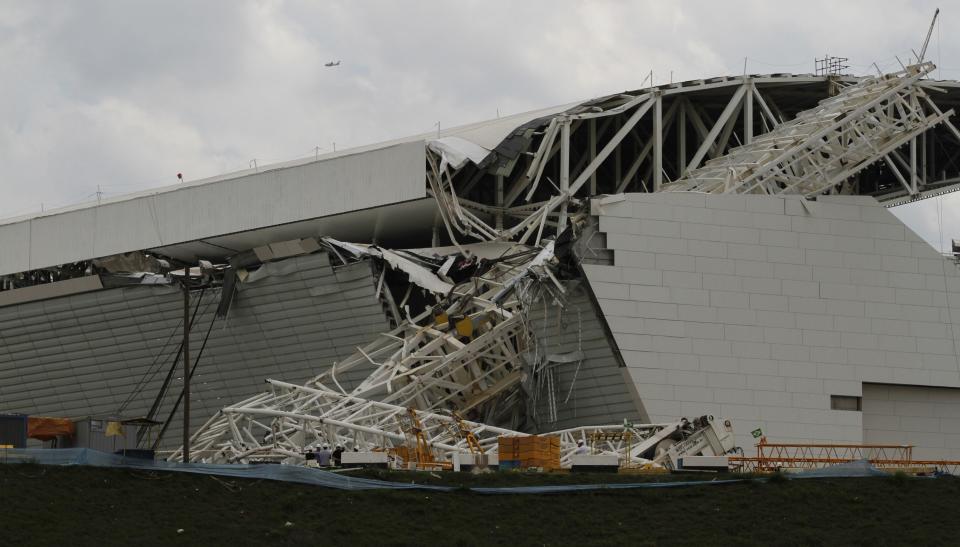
823 147
428 371
749 140
468 352
461 354
282 424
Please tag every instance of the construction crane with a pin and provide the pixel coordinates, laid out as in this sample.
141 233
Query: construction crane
461 431
418 449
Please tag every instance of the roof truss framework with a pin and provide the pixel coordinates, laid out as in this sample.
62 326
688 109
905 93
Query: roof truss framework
468 353
876 135
823 147
280 424
688 123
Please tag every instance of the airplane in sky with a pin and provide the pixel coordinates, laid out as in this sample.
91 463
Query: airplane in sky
331 63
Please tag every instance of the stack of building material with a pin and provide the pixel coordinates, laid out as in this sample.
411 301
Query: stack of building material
507 452
540 451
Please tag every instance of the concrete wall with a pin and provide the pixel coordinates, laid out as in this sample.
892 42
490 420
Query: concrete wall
760 308
85 354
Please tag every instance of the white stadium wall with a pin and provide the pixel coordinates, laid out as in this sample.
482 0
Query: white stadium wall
926 417
774 311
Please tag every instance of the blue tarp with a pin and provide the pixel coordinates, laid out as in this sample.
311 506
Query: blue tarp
859 468
588 487
289 473
318 477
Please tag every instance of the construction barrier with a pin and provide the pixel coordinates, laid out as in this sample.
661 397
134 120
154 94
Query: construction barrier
799 457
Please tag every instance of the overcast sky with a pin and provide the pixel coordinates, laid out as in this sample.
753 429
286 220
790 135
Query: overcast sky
125 94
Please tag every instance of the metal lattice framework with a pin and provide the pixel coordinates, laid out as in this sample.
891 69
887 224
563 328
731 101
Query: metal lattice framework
434 362
824 146
427 371
465 354
282 423
660 443
820 150
775 456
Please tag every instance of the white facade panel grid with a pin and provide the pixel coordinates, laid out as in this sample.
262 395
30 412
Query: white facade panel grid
826 298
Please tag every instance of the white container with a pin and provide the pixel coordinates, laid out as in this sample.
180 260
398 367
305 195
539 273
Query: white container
713 463
598 460
363 458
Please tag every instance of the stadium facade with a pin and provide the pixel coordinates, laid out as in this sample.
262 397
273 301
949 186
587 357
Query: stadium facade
724 248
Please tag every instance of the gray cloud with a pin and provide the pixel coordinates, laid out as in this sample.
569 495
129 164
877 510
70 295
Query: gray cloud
126 94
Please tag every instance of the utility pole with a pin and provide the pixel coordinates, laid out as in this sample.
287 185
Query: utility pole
186 364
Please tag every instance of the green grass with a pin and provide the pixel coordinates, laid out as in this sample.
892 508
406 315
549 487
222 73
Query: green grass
91 506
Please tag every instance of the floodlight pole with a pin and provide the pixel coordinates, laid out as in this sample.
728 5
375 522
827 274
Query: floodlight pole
186 364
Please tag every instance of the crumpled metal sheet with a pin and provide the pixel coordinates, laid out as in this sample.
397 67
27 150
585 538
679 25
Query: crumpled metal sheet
128 262
418 275
457 152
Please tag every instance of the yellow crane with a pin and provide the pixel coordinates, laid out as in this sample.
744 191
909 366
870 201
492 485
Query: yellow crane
418 450
461 431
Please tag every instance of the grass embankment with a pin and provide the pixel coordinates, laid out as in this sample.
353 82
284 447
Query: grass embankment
90 506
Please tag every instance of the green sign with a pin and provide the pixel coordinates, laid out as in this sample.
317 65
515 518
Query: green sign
757 433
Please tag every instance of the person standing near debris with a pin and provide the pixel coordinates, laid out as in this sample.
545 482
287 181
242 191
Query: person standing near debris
337 454
323 456
581 449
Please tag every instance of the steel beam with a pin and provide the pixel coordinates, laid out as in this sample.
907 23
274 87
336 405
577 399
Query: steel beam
593 155
682 139
564 171
658 142
728 111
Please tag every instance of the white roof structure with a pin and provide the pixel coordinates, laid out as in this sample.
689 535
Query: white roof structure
221 215
353 194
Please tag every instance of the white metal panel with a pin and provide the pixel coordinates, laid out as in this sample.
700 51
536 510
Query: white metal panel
58 239
225 206
925 417
595 460
140 212
489 133
14 246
